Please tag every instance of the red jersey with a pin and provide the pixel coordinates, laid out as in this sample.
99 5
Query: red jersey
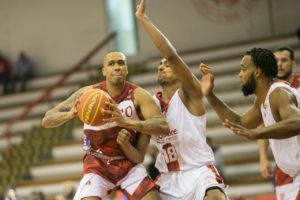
103 139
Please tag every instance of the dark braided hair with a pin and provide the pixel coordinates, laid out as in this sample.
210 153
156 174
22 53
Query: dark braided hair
265 60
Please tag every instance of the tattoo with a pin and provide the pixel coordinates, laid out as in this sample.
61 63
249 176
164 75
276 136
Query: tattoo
65 109
57 120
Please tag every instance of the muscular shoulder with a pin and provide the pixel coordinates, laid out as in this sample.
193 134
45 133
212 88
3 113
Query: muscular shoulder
281 96
141 94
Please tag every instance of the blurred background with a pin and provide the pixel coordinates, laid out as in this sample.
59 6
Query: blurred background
61 43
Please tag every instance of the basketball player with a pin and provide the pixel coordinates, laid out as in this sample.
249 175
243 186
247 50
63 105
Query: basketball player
115 150
283 182
276 105
185 160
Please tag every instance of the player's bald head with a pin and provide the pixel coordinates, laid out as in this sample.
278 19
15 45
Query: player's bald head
114 55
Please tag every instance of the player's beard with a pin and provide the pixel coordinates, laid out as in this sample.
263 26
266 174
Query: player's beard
249 87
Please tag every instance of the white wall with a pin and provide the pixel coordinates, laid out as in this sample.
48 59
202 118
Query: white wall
57 33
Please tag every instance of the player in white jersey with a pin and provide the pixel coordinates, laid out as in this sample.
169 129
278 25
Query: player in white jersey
185 159
284 186
276 105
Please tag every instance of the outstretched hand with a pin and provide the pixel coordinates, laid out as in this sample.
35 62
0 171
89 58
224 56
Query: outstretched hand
240 130
207 80
140 9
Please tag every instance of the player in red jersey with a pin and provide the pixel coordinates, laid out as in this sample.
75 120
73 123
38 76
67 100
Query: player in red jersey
115 150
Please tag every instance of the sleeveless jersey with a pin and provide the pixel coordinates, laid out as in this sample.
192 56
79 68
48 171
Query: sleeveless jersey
282 178
103 139
286 151
185 146
296 82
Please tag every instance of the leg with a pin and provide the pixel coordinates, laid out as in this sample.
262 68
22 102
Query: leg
93 187
214 194
138 185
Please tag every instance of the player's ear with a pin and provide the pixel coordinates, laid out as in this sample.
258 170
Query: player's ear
103 71
257 72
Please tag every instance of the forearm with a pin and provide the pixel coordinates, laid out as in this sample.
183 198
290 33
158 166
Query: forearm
154 126
132 153
55 120
160 41
263 149
280 130
223 111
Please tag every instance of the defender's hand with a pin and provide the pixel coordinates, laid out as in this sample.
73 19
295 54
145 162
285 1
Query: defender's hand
140 9
207 80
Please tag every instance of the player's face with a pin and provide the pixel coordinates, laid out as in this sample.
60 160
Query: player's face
284 63
165 74
115 67
247 76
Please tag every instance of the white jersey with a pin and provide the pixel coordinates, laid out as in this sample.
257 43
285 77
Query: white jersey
185 147
286 151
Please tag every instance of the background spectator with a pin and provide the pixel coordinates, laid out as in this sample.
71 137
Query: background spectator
22 71
5 69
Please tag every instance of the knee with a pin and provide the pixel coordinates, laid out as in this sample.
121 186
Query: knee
215 194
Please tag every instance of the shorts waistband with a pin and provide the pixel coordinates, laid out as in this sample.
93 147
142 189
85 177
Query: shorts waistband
100 154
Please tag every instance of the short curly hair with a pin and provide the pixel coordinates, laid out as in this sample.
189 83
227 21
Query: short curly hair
265 60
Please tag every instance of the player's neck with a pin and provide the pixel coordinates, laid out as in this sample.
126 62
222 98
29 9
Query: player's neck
114 90
168 91
262 88
290 79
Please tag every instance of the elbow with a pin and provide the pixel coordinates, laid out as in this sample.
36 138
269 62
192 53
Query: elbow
165 129
45 123
296 121
138 160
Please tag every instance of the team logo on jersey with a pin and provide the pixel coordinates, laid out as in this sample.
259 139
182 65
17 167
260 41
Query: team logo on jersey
172 136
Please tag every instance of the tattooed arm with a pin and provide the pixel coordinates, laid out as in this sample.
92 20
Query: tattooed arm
62 112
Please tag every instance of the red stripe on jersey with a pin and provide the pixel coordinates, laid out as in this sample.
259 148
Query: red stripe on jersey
171 157
163 104
298 196
218 177
144 187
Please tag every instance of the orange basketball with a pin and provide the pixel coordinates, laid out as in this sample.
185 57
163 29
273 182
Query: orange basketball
90 106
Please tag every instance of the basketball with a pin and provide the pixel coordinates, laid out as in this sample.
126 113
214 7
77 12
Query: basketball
90 106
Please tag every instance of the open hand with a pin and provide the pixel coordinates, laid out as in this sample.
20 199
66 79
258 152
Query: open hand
113 114
140 9
207 80
239 130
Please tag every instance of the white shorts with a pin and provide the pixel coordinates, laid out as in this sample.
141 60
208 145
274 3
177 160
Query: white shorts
188 185
287 191
93 185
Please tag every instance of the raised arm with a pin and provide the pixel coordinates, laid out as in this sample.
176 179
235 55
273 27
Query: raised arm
250 119
62 112
190 83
